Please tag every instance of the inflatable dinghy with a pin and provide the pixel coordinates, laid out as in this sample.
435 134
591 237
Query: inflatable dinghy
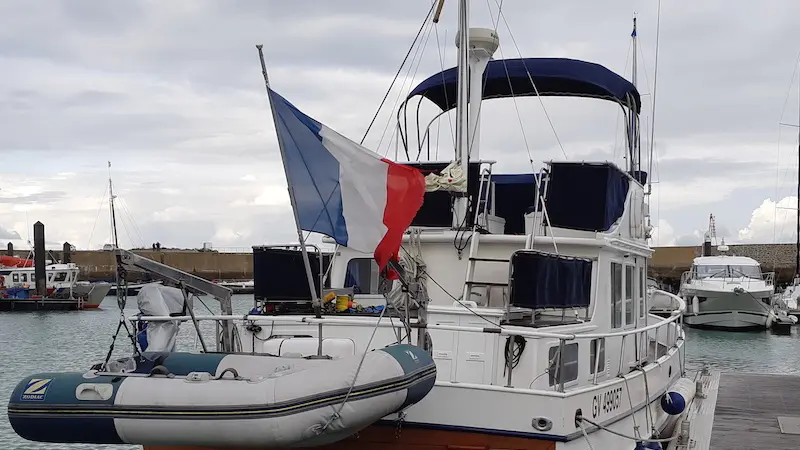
222 400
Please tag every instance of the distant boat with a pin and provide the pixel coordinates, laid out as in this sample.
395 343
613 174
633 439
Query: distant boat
237 286
133 289
61 281
727 292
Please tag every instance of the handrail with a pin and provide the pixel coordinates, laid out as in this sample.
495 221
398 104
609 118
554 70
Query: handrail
677 313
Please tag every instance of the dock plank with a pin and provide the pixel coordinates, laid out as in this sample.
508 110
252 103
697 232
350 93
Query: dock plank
747 410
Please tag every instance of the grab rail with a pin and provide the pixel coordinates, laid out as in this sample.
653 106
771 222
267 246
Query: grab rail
365 321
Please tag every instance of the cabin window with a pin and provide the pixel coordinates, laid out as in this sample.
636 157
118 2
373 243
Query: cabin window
642 293
15 278
616 295
593 354
629 294
362 275
60 276
23 277
569 369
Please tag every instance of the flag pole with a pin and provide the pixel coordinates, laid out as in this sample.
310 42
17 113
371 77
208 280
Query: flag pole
306 262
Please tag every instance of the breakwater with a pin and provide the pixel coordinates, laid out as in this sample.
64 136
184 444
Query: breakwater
667 264
101 265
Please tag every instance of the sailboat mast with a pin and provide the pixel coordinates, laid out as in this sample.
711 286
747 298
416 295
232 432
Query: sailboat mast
461 204
111 197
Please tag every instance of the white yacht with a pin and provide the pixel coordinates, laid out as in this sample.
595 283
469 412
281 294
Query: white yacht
727 292
526 292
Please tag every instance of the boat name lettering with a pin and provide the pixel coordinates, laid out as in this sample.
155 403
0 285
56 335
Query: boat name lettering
606 402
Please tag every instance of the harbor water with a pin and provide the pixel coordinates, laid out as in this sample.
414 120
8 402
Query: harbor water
74 340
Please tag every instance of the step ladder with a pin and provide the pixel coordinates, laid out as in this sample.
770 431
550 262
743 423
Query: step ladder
470 282
540 193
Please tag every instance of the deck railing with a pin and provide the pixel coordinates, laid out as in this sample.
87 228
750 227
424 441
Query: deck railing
669 326
767 278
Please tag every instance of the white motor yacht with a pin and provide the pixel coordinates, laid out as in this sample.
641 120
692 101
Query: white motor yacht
727 292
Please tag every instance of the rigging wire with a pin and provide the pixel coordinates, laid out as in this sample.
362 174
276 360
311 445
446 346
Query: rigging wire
777 163
409 77
530 78
97 217
442 56
653 104
619 112
399 69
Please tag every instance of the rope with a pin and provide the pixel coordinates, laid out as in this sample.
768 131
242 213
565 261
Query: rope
648 412
586 436
335 415
617 433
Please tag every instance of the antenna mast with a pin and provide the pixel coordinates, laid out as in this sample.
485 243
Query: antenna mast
633 133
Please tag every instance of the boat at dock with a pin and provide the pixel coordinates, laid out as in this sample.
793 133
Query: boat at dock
64 289
728 293
466 307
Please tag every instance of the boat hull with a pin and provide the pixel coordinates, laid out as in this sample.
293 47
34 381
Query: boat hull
390 436
282 407
726 310
93 292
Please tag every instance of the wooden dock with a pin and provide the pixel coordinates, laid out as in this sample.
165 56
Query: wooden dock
744 411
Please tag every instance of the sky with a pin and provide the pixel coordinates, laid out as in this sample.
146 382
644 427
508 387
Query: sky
172 94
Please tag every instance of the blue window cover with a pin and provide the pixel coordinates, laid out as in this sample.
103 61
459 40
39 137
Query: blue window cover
552 76
546 280
586 196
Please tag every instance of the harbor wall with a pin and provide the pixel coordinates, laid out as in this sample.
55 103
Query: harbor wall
100 265
667 264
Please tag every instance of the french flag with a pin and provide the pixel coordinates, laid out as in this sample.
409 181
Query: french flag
343 190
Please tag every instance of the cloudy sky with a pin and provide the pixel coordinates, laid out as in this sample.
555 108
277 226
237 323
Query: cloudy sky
171 93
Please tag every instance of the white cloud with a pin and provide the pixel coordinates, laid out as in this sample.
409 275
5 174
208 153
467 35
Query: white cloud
772 222
662 235
178 106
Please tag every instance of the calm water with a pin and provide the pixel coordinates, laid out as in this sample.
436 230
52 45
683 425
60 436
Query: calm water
72 341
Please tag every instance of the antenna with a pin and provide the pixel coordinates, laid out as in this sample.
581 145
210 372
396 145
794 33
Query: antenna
633 132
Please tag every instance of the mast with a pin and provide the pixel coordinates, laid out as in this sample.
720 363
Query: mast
633 132
797 231
114 236
461 204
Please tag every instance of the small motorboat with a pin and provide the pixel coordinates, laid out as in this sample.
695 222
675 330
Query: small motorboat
163 397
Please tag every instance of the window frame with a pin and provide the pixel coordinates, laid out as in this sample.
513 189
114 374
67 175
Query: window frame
629 294
617 284
571 366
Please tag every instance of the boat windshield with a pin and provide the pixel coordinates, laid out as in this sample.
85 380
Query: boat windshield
720 271
745 271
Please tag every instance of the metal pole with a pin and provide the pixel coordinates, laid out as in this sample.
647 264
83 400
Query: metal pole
309 275
461 203
797 242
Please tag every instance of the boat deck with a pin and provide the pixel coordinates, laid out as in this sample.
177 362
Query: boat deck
746 411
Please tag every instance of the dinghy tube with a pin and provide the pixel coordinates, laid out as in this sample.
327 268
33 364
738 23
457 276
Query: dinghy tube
293 406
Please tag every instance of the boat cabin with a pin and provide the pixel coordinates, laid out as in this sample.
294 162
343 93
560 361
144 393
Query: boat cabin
725 267
58 276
